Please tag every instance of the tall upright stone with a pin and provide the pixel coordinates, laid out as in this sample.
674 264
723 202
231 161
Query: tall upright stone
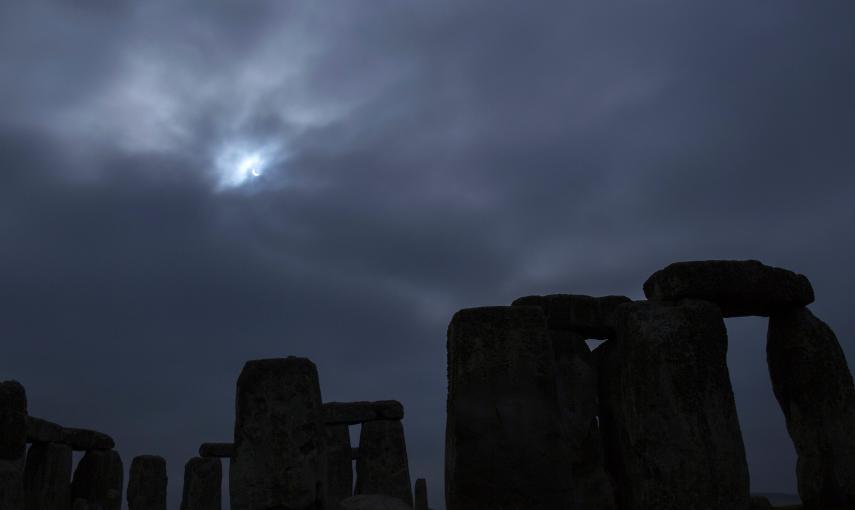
339 465
667 410
98 479
506 445
814 387
279 440
11 485
147 483
382 466
13 444
203 481
47 477
421 497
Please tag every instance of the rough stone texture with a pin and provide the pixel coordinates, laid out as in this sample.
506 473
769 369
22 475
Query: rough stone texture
814 387
594 486
352 413
280 447
47 477
738 287
217 450
339 465
760 503
147 483
11 485
13 420
382 467
667 411
98 479
43 431
203 480
374 502
506 445
421 498
82 440
585 315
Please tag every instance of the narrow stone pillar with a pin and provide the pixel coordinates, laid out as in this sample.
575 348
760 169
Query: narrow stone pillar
506 445
667 410
814 387
421 498
382 467
98 479
203 481
13 444
339 465
147 483
280 458
11 485
47 477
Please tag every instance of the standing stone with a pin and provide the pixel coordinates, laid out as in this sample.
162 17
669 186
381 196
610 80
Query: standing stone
280 448
814 387
353 413
587 316
339 465
147 483
11 485
506 445
98 479
667 411
594 486
13 420
374 502
382 467
421 498
203 480
47 477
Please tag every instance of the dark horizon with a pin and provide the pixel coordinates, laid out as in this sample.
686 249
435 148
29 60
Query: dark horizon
413 159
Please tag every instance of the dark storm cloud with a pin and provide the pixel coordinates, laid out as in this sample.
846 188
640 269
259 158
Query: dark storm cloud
429 157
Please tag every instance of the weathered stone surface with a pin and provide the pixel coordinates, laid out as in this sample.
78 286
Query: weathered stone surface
203 480
11 485
13 420
374 502
352 413
280 448
382 467
217 450
339 465
576 383
585 315
147 483
760 503
43 431
668 416
505 443
738 287
814 387
421 497
47 477
594 487
98 480
82 440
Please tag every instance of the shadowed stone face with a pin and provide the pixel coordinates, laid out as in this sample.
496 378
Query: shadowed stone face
667 410
98 479
280 448
339 465
47 477
421 498
147 483
351 413
588 316
203 479
13 420
11 485
506 444
382 467
814 387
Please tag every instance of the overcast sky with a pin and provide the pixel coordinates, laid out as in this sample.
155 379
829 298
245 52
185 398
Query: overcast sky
415 158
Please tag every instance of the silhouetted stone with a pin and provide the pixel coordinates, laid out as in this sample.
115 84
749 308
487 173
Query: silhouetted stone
147 483
738 287
421 498
505 443
43 431
280 451
382 467
82 440
13 420
667 411
47 477
11 485
374 502
814 387
576 383
354 453
81 504
760 503
585 315
203 480
98 480
339 465
217 450
594 486
352 413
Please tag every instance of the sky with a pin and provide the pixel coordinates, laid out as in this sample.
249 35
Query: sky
413 158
